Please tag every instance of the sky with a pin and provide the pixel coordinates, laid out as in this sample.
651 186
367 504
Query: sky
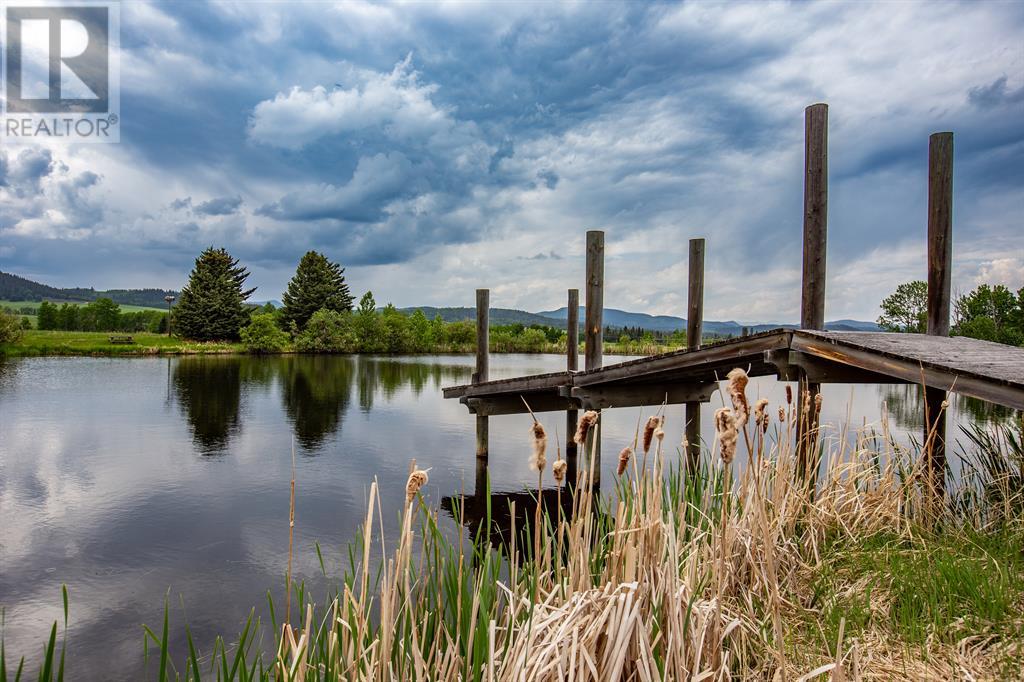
434 148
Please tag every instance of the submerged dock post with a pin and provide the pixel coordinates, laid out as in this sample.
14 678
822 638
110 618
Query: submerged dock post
812 304
940 266
594 332
694 331
572 361
483 339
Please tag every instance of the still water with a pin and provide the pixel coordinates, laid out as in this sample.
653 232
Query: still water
132 479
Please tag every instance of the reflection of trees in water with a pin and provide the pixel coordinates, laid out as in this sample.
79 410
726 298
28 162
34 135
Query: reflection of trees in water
7 372
209 391
905 406
387 376
316 390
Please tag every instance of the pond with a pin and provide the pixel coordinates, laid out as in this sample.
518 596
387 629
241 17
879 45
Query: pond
129 479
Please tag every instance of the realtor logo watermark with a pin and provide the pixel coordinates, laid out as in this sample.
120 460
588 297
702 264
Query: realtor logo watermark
61 77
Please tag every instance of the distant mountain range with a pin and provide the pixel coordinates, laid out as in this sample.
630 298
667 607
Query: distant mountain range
622 318
15 288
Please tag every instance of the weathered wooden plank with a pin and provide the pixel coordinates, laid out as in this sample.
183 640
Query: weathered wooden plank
527 384
726 354
914 368
513 404
642 395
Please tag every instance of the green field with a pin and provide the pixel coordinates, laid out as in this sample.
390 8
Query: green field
36 342
15 305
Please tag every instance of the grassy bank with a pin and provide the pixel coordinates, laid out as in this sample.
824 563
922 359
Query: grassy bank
35 342
743 572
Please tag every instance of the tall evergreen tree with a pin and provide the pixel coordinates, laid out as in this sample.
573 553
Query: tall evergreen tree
212 304
318 283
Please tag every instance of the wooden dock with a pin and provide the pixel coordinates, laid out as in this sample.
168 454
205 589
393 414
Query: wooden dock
981 369
809 355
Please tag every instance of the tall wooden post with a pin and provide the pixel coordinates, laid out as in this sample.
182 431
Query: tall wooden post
812 304
694 331
483 340
572 361
594 332
940 267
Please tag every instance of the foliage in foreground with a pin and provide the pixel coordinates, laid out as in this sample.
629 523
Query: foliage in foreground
863 575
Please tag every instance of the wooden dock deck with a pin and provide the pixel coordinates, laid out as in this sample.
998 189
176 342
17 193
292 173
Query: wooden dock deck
981 369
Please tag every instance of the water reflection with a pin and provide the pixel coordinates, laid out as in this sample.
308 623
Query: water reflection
905 406
316 389
208 390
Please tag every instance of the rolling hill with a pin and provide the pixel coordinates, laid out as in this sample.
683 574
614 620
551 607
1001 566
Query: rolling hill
15 288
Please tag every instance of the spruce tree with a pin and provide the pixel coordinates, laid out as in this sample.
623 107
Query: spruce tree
318 284
212 305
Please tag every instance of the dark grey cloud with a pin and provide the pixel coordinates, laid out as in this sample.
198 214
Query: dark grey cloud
219 206
995 94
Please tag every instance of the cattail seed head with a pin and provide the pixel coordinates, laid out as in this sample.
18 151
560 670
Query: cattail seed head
759 413
659 434
789 395
624 456
726 427
584 425
653 423
782 413
540 444
558 468
818 398
738 394
417 479
945 404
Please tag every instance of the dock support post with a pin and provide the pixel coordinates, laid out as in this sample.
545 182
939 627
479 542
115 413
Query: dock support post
483 339
940 266
594 332
812 305
572 361
694 331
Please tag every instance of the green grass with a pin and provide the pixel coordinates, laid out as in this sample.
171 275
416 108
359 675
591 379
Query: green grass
125 308
36 342
945 585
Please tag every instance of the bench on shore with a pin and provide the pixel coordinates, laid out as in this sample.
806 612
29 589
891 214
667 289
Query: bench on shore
121 338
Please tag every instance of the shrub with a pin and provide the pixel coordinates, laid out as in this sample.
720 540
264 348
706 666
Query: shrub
328 331
263 335
10 327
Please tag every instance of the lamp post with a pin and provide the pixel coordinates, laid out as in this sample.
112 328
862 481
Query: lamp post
170 300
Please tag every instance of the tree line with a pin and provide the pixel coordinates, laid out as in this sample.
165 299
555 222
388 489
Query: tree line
102 315
318 315
989 312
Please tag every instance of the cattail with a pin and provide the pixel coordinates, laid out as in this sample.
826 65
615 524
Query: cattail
586 422
624 456
540 445
659 433
558 468
782 412
789 395
417 479
817 402
725 425
761 414
738 393
653 423
945 404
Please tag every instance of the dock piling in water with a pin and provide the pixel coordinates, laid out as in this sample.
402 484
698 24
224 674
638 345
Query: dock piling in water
940 267
483 339
594 333
694 331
